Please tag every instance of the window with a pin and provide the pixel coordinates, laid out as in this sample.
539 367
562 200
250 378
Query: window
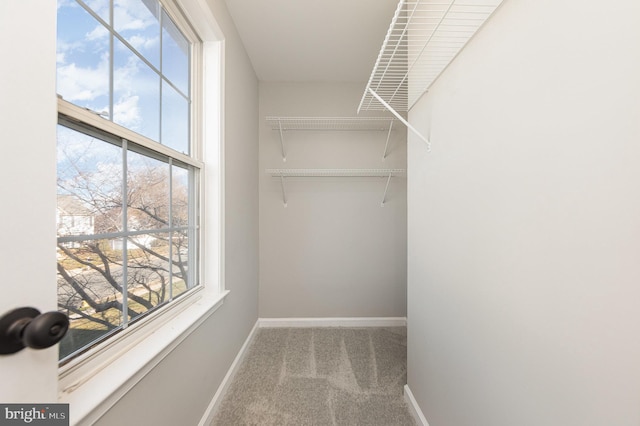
128 173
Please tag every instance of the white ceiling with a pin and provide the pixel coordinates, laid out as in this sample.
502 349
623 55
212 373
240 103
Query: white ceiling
312 40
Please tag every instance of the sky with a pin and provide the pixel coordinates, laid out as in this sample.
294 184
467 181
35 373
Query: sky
84 70
92 171
84 67
90 59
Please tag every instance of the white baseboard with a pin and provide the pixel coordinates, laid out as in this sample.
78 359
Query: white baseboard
210 412
333 322
414 408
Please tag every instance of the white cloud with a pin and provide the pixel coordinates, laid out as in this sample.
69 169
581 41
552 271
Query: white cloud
82 147
72 145
143 43
101 7
132 15
63 47
98 33
83 67
84 162
66 3
126 112
124 75
77 83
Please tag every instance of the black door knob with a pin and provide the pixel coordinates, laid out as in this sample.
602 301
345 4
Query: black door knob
26 327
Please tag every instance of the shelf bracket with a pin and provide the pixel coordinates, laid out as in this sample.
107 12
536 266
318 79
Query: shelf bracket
284 192
284 153
399 117
386 146
386 188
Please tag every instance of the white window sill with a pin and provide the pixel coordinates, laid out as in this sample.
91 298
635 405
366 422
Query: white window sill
92 386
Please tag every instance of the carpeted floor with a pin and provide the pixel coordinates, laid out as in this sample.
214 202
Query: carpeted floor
320 376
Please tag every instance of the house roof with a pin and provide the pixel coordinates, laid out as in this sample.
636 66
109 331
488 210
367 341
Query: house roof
72 206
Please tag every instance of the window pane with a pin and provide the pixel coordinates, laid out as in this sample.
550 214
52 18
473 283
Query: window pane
137 22
147 272
148 193
89 184
82 58
175 119
115 265
136 94
99 7
175 55
180 196
180 263
89 290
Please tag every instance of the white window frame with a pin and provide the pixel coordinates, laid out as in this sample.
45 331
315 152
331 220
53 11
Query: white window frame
93 382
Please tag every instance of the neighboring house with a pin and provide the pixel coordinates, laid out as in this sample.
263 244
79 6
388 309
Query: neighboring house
142 240
73 217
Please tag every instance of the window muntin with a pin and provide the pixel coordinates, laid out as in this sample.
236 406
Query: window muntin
175 119
130 242
136 94
175 54
139 24
137 231
83 60
127 61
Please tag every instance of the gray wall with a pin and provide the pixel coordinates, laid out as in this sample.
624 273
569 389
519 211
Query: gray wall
333 251
179 389
524 238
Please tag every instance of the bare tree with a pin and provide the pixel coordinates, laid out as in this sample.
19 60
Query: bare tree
92 272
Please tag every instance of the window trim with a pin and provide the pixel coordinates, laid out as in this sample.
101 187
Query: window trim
88 118
94 382
138 353
128 145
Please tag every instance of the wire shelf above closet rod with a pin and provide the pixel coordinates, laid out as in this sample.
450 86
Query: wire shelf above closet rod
284 124
423 38
336 172
329 123
284 173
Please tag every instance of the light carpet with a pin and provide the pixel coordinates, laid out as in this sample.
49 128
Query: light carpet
320 376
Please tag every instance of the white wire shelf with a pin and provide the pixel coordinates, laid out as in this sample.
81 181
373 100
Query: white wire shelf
336 172
330 123
285 173
283 124
423 38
